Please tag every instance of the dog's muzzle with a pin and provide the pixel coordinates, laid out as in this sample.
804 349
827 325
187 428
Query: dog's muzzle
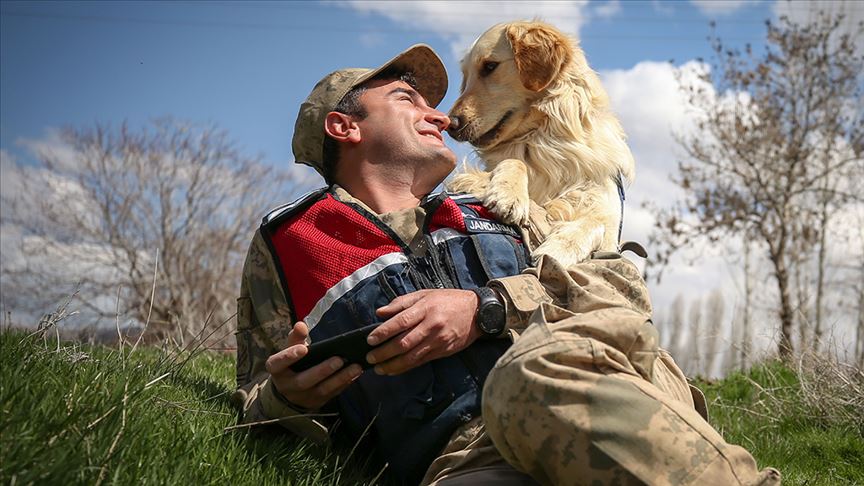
456 128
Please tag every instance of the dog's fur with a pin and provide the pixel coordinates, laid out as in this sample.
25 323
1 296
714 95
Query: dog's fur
541 121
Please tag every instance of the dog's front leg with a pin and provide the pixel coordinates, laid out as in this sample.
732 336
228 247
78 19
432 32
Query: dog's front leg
570 242
507 194
583 220
470 182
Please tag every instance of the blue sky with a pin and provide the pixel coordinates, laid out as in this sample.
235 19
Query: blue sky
247 66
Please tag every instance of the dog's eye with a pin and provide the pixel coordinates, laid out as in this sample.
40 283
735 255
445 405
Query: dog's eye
488 67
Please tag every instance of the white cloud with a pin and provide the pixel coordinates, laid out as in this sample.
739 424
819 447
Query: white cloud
9 181
608 9
651 108
664 8
720 7
53 147
461 22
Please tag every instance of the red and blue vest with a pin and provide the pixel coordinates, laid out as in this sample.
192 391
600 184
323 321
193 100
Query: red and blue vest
338 263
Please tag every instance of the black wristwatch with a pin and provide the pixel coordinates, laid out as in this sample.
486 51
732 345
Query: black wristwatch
491 317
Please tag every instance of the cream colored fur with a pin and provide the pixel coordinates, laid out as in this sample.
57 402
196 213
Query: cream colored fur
561 145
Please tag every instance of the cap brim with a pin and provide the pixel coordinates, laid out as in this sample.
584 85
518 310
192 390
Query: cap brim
424 64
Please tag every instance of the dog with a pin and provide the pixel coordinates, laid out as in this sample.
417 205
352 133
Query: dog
540 120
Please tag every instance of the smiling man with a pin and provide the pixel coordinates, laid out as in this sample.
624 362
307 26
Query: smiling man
583 395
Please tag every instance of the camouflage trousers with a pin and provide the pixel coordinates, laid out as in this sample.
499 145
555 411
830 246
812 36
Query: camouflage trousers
585 396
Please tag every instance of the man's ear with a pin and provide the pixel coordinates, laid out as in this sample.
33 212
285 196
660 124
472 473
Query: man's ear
341 127
540 53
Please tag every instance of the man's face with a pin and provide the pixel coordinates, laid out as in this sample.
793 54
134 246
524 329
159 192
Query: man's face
401 129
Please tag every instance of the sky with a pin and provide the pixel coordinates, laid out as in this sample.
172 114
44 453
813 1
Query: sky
247 66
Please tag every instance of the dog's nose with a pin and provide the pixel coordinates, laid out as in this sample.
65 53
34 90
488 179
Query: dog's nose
455 123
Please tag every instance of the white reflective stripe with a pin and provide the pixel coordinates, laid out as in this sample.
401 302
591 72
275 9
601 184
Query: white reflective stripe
346 284
441 235
459 197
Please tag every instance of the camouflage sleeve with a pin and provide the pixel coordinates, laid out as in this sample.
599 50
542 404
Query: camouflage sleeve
264 320
522 295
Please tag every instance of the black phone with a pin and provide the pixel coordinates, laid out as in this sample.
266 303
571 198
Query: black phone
351 347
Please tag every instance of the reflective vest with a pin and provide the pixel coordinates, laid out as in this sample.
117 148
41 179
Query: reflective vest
338 263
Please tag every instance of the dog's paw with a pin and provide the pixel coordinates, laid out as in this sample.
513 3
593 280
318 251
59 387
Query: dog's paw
571 243
474 182
507 193
566 255
509 207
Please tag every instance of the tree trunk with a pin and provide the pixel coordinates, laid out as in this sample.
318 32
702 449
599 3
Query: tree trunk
859 338
801 297
820 277
785 346
745 326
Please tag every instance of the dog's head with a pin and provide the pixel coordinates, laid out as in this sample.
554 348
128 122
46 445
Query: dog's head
506 71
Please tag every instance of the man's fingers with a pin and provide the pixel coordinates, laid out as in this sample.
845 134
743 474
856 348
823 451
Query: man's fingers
402 321
398 345
298 334
281 361
335 384
296 349
317 385
399 304
312 377
400 364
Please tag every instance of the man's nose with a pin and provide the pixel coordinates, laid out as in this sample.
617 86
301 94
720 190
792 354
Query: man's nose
440 120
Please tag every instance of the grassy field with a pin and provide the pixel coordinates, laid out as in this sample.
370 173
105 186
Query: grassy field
808 423
95 415
82 415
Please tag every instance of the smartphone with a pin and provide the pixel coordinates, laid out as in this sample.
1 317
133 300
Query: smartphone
351 347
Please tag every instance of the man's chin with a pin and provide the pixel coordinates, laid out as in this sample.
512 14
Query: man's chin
437 169
445 156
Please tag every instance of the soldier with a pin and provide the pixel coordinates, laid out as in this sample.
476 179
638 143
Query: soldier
486 370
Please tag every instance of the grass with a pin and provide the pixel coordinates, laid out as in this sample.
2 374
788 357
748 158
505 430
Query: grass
95 415
812 431
71 414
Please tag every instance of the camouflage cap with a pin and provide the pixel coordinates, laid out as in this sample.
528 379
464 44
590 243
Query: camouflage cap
308 142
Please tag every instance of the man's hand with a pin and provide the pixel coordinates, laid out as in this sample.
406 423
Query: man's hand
312 388
428 324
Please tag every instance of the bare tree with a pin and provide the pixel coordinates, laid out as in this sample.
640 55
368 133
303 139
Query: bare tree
756 158
155 221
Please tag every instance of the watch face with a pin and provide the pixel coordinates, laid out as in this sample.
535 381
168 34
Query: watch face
492 318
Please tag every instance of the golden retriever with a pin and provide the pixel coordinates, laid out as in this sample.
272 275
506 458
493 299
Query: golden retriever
540 120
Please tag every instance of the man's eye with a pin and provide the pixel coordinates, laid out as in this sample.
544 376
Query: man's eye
488 67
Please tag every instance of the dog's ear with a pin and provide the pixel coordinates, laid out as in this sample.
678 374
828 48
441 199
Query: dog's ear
539 51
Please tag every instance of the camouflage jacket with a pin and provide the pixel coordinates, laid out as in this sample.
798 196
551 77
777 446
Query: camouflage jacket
264 319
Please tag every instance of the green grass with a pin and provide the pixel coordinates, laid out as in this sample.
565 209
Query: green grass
767 411
96 415
91 415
